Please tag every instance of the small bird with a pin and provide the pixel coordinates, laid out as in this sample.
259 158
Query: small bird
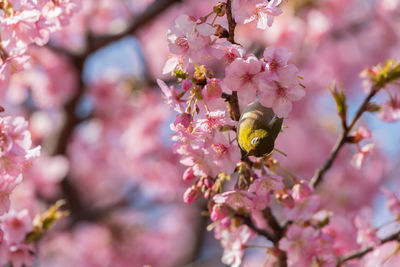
257 130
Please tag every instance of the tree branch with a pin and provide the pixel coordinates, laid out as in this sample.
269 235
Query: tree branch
319 174
247 221
273 223
362 252
231 22
154 10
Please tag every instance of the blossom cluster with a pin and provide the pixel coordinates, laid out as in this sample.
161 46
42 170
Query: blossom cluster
205 128
242 189
16 154
27 22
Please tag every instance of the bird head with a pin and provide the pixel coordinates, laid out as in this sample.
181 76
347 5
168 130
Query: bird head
255 142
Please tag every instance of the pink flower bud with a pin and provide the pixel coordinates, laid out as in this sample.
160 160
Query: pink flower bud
186 84
184 119
188 175
218 212
226 221
191 194
208 183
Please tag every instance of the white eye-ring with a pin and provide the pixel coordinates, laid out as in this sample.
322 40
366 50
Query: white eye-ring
254 140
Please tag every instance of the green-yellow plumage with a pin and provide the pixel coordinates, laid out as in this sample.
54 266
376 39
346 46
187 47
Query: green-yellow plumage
257 130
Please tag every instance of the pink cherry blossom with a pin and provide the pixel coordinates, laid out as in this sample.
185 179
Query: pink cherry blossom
21 255
235 199
171 96
12 65
301 191
276 59
7 185
392 201
359 158
225 153
16 145
212 90
280 95
366 234
261 11
390 110
191 39
305 246
20 30
361 133
303 211
212 122
231 51
233 240
243 76
267 185
16 225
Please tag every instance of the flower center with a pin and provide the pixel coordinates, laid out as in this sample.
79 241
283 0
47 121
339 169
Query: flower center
182 42
219 148
247 77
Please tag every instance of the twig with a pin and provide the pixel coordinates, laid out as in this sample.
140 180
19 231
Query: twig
362 252
319 174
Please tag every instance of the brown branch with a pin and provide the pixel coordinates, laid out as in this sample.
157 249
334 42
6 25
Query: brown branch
273 223
95 42
231 22
154 10
247 221
362 252
319 174
233 105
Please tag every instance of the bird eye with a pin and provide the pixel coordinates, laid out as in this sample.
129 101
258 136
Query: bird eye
254 140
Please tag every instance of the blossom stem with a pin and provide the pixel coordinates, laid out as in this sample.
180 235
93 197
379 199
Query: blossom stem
215 17
319 174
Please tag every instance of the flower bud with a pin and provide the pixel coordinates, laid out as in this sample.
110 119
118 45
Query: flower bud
226 221
188 175
208 182
184 119
186 84
220 9
191 195
218 212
